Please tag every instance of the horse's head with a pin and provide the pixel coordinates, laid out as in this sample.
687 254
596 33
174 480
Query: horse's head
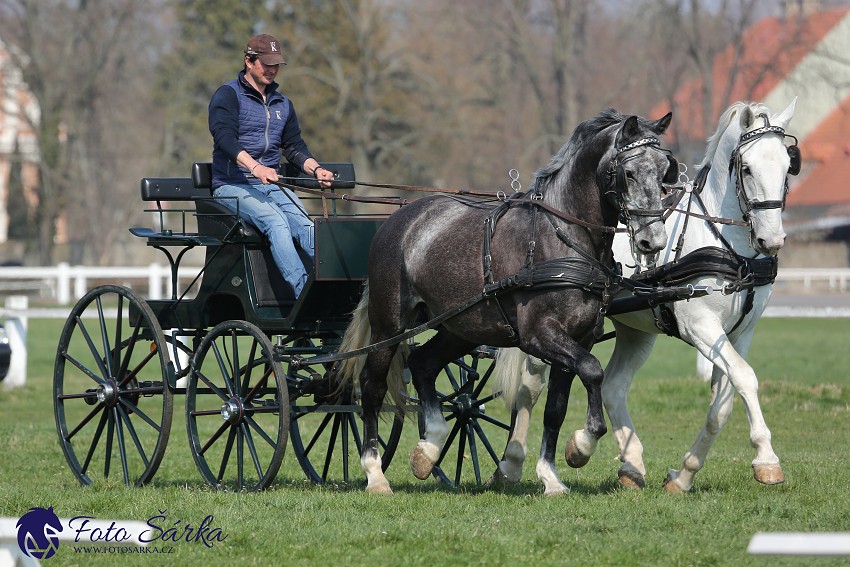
759 166
632 179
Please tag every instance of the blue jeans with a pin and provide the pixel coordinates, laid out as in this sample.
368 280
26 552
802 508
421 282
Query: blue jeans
274 212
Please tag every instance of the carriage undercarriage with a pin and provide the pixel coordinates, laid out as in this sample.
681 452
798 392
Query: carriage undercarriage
253 362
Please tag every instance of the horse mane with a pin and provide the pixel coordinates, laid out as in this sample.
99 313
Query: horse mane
584 133
723 124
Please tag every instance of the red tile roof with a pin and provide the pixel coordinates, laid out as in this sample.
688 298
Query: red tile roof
772 48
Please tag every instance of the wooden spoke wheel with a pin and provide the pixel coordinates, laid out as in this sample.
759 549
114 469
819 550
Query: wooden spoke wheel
480 425
326 427
111 398
237 408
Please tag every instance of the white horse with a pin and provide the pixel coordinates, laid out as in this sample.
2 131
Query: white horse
725 233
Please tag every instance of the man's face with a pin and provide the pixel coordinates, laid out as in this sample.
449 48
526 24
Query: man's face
262 74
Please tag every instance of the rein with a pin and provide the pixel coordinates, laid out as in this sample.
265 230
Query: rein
583 272
493 196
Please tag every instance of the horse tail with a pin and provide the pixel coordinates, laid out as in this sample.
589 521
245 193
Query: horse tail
515 370
357 335
507 376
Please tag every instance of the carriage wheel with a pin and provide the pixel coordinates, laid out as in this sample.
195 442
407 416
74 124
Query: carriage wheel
111 398
237 408
479 423
326 428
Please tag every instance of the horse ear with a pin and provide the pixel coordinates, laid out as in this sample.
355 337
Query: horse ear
747 118
629 129
784 117
660 126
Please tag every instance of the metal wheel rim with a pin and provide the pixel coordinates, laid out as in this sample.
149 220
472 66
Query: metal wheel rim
107 408
469 423
237 408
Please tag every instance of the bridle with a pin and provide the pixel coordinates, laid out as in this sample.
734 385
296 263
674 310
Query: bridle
618 184
736 167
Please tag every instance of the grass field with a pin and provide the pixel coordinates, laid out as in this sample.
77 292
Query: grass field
802 365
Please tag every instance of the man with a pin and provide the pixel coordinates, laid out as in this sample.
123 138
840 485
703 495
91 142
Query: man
252 124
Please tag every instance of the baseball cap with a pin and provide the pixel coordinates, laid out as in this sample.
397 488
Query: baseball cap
267 47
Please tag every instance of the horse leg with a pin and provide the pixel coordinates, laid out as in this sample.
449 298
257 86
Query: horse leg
766 467
720 407
730 366
533 378
425 364
569 357
557 400
583 442
631 350
374 389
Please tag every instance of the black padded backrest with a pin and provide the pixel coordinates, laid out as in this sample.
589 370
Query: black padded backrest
170 189
202 175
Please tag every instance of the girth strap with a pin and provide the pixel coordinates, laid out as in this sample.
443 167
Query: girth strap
574 272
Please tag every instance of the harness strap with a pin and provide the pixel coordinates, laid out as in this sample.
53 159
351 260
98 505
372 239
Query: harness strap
551 274
745 274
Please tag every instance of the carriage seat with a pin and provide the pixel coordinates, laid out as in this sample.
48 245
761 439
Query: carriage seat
214 220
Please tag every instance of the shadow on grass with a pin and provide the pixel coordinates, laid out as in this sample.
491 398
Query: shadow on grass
433 485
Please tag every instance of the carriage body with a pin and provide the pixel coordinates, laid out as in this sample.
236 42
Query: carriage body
227 343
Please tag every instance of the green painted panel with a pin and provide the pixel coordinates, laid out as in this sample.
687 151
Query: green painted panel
342 247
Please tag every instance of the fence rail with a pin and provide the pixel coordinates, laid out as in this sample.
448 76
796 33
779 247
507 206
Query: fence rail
827 279
63 284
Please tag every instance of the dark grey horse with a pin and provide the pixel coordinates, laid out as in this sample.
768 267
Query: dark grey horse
532 273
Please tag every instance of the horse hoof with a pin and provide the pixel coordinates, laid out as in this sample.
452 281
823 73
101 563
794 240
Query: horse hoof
574 457
556 491
768 474
382 487
498 480
420 464
671 487
631 479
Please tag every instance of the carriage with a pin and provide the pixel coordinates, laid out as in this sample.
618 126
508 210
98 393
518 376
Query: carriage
237 345
257 366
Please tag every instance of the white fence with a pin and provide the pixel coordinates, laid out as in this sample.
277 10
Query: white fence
64 284
821 279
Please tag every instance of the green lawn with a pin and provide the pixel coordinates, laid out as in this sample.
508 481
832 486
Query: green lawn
802 365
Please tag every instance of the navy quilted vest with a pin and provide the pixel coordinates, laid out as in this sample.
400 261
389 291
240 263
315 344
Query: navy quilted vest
260 133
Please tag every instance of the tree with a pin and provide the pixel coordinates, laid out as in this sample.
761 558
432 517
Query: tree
351 76
88 110
209 43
